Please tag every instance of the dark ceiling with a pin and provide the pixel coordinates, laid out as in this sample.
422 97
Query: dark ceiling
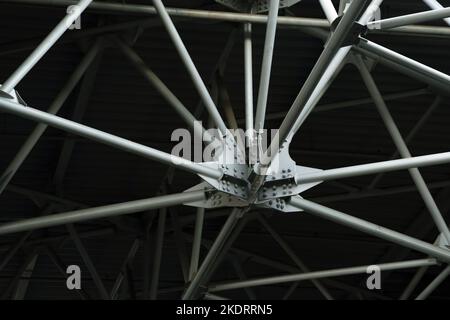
121 102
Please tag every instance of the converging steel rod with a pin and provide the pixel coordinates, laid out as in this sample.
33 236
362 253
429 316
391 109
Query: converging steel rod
101 212
248 73
291 253
402 147
212 255
333 45
106 138
266 67
430 110
54 108
376 167
190 66
371 228
410 19
45 46
156 268
197 242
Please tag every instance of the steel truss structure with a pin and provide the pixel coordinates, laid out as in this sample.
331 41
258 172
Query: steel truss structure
242 190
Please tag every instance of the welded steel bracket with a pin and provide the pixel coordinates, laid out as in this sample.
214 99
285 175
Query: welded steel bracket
216 199
231 161
256 6
280 204
281 180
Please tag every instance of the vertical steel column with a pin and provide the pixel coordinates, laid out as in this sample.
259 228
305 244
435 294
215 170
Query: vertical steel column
158 254
402 148
248 71
334 44
411 134
371 228
266 67
196 244
54 108
163 90
45 46
290 252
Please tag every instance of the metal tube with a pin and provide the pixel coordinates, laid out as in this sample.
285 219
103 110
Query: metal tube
13 250
158 254
333 45
45 45
266 67
197 242
441 87
248 71
371 228
212 255
411 135
190 66
332 71
409 19
329 10
377 167
435 5
402 147
106 138
165 92
319 275
290 252
434 284
414 282
54 108
405 61
101 212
